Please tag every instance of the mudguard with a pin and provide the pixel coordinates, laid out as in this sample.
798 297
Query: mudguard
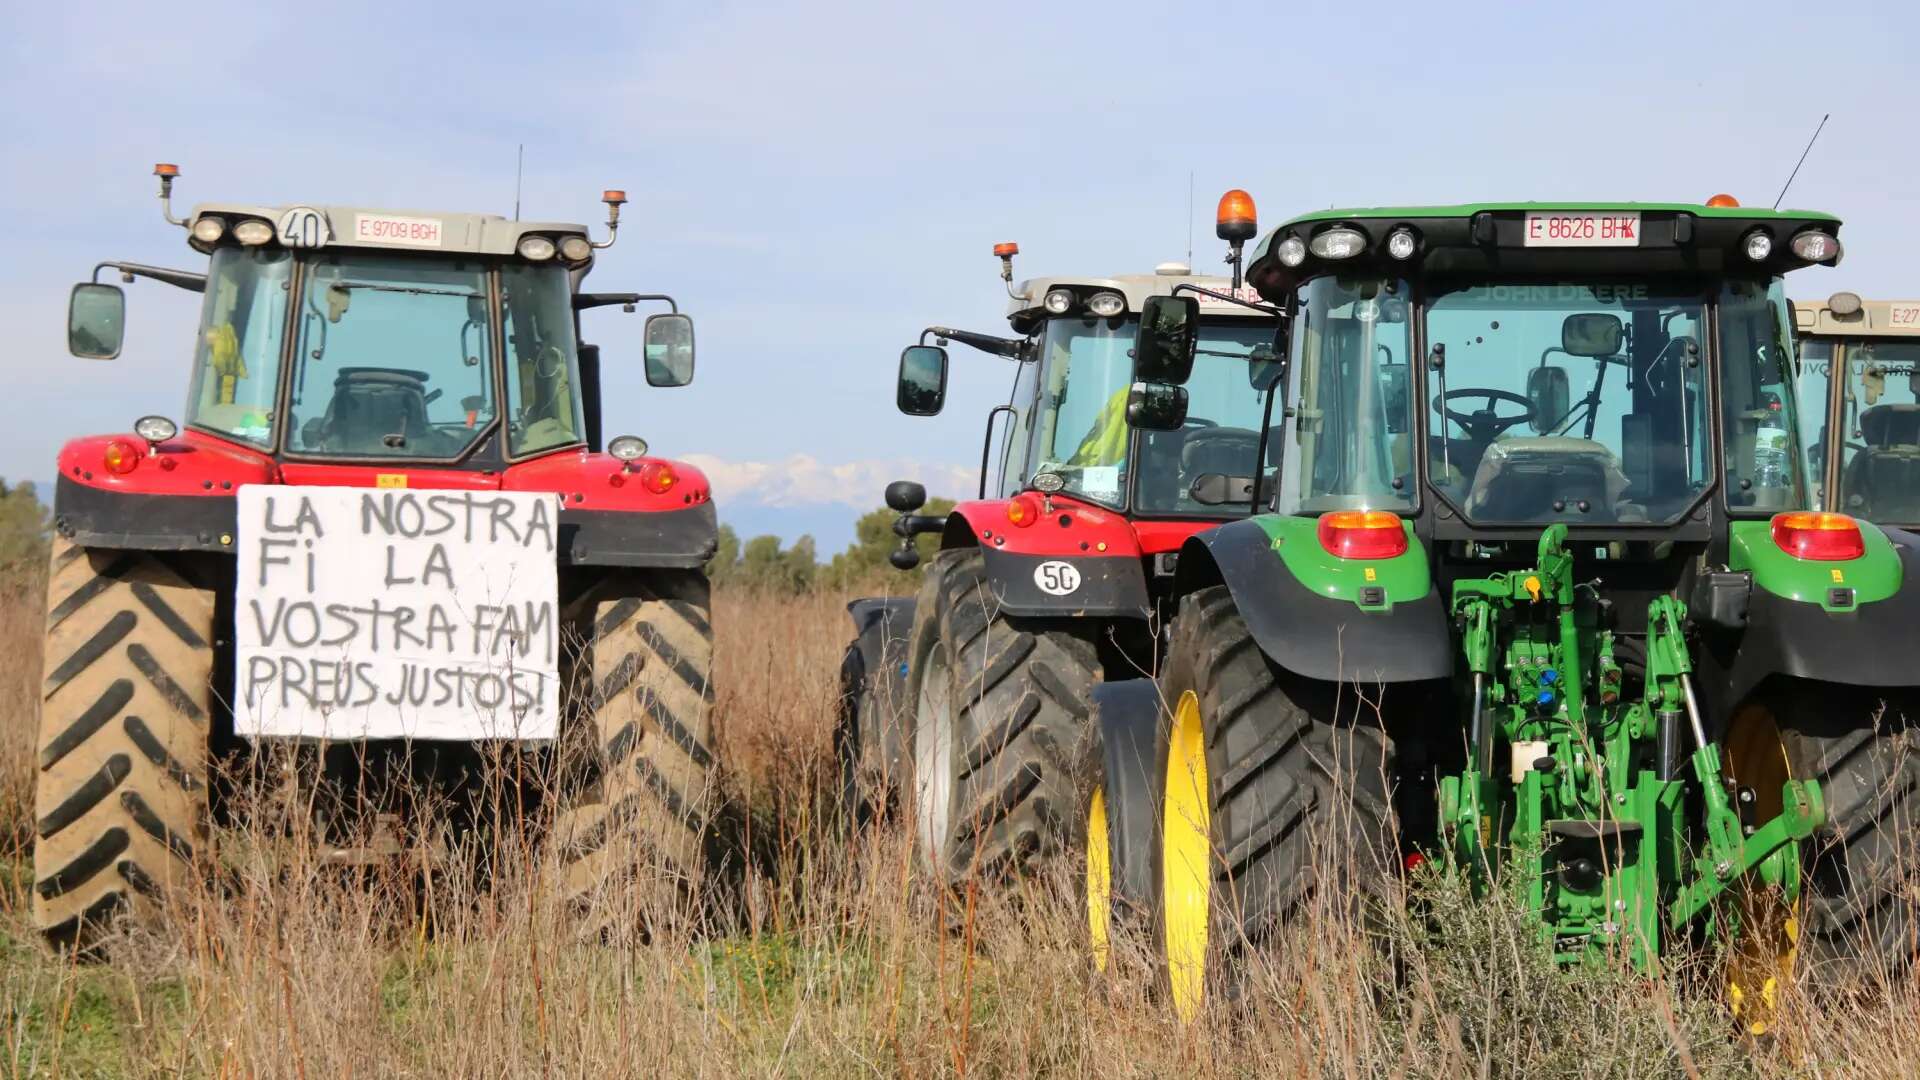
1075 560
677 539
1801 632
876 665
1127 755
1339 635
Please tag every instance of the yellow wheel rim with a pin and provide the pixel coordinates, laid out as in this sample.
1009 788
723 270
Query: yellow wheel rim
1186 858
1754 757
1099 879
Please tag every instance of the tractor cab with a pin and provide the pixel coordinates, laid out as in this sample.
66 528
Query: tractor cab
1482 372
390 338
1859 381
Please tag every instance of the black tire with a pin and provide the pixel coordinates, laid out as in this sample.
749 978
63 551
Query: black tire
1297 777
868 739
1016 694
644 697
121 790
1862 889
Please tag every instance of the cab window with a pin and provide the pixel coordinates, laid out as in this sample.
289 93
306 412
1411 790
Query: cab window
543 374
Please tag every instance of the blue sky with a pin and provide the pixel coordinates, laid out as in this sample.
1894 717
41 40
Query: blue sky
816 183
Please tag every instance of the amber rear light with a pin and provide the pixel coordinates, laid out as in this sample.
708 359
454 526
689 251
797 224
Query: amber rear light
1362 534
121 457
1023 510
1820 537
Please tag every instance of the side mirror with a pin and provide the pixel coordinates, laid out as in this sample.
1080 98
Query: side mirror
1592 334
1157 406
669 350
96 321
1163 349
1548 391
923 380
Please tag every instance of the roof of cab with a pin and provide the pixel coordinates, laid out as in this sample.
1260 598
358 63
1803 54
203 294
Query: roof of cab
1873 318
1467 210
402 230
1025 310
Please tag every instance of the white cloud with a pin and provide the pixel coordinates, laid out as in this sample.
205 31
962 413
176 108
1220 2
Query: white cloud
801 480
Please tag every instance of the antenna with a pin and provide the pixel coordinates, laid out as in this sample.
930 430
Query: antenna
519 162
1189 219
1802 161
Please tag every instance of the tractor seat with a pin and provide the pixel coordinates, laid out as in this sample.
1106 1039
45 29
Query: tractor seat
371 403
1520 479
1882 481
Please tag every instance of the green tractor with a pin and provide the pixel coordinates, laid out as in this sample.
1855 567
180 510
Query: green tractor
1536 596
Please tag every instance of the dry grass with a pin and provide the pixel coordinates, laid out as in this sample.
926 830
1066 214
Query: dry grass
842 960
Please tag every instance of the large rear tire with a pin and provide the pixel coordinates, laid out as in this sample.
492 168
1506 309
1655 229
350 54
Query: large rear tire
1000 706
1862 888
1276 791
644 668
121 791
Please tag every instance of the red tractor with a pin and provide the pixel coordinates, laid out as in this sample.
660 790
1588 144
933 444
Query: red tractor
366 380
973 697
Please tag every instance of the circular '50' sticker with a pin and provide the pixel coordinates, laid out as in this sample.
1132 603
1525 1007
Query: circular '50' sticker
1056 578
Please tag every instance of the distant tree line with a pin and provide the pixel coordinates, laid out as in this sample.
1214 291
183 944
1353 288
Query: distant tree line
762 563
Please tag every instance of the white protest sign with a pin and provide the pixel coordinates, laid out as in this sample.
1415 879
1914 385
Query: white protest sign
396 613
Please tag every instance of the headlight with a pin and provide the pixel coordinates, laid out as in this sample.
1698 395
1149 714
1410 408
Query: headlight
1292 251
1815 246
253 232
1400 244
575 249
1758 246
1107 304
536 248
1338 244
1047 482
155 428
1059 301
627 447
209 230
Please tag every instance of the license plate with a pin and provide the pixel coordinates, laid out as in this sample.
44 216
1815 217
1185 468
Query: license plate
389 229
1904 316
1582 229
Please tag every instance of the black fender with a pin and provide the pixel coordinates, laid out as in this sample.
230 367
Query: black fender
1316 636
1871 645
95 518
1125 759
682 539
875 667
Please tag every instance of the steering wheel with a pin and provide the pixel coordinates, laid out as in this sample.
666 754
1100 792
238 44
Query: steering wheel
549 361
1199 422
1486 424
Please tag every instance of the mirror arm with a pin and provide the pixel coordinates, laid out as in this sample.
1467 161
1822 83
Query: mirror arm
1268 309
179 279
1012 348
1266 430
584 301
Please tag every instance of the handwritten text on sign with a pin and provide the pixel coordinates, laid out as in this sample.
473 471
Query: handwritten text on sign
396 614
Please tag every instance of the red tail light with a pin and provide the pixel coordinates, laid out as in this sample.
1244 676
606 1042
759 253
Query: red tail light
1362 534
658 477
1023 510
121 457
1825 537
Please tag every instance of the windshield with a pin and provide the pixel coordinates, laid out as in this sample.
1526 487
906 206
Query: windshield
1880 457
1347 441
1570 401
1225 402
543 363
394 357
236 370
1081 427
